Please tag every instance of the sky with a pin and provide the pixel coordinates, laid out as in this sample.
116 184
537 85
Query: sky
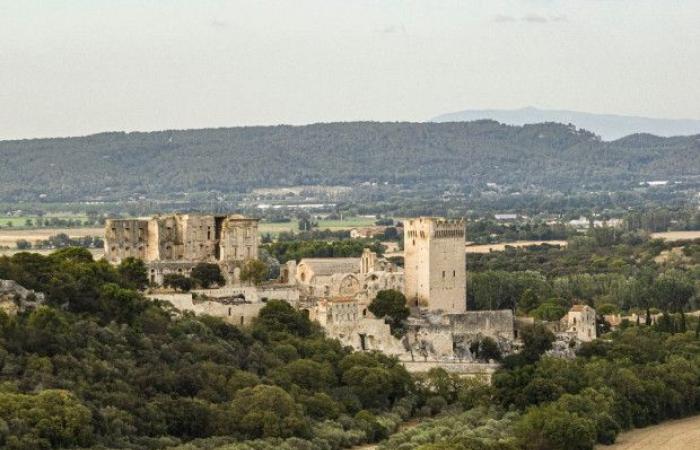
76 67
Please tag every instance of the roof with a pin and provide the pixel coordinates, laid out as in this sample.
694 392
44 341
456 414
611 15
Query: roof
329 266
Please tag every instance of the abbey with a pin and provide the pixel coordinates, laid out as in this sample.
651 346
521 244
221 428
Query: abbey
440 331
336 292
176 243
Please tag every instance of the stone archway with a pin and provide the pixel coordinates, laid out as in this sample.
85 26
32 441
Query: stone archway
349 285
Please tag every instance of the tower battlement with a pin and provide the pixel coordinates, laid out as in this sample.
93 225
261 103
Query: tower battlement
435 264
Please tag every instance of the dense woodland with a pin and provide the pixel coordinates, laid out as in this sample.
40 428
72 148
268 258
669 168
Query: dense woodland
99 366
637 377
553 156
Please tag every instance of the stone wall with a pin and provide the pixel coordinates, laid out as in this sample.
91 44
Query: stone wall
127 238
484 370
237 314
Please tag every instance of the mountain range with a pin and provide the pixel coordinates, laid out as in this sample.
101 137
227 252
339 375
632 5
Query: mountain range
607 126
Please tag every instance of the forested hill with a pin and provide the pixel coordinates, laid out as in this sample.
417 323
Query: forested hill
547 155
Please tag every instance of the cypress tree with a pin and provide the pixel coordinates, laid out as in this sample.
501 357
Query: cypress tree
683 324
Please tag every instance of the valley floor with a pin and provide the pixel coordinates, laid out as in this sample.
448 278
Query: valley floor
673 435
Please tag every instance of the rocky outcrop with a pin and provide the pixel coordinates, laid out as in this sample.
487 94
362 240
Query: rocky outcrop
14 298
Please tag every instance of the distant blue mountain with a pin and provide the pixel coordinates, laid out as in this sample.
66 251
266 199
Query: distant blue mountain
607 126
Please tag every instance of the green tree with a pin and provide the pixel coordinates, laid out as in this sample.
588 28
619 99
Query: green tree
178 282
528 301
23 244
537 339
551 310
390 304
254 271
549 428
280 316
133 273
673 291
207 274
265 411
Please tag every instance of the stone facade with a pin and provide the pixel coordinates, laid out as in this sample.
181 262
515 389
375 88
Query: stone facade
174 244
236 305
580 323
360 278
352 324
435 264
449 337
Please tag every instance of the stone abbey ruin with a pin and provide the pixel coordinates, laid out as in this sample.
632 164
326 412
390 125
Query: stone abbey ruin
336 292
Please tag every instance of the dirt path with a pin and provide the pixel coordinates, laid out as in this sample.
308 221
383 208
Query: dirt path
674 435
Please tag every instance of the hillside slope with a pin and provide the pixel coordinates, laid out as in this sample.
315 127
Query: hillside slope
553 156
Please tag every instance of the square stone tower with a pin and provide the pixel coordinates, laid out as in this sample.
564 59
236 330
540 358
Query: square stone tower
435 264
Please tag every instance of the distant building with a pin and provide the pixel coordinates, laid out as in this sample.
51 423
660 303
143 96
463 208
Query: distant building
505 217
367 232
580 322
176 243
585 223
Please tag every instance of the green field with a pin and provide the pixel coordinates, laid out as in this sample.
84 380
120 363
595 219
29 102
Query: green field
351 222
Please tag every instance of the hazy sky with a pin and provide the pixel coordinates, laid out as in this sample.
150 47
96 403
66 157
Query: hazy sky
74 67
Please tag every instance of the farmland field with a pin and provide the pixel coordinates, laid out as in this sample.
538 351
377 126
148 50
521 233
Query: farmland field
486 248
10 236
676 235
335 225
673 435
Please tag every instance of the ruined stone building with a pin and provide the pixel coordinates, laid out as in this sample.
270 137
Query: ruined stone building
176 243
440 331
435 264
360 278
580 323
336 292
